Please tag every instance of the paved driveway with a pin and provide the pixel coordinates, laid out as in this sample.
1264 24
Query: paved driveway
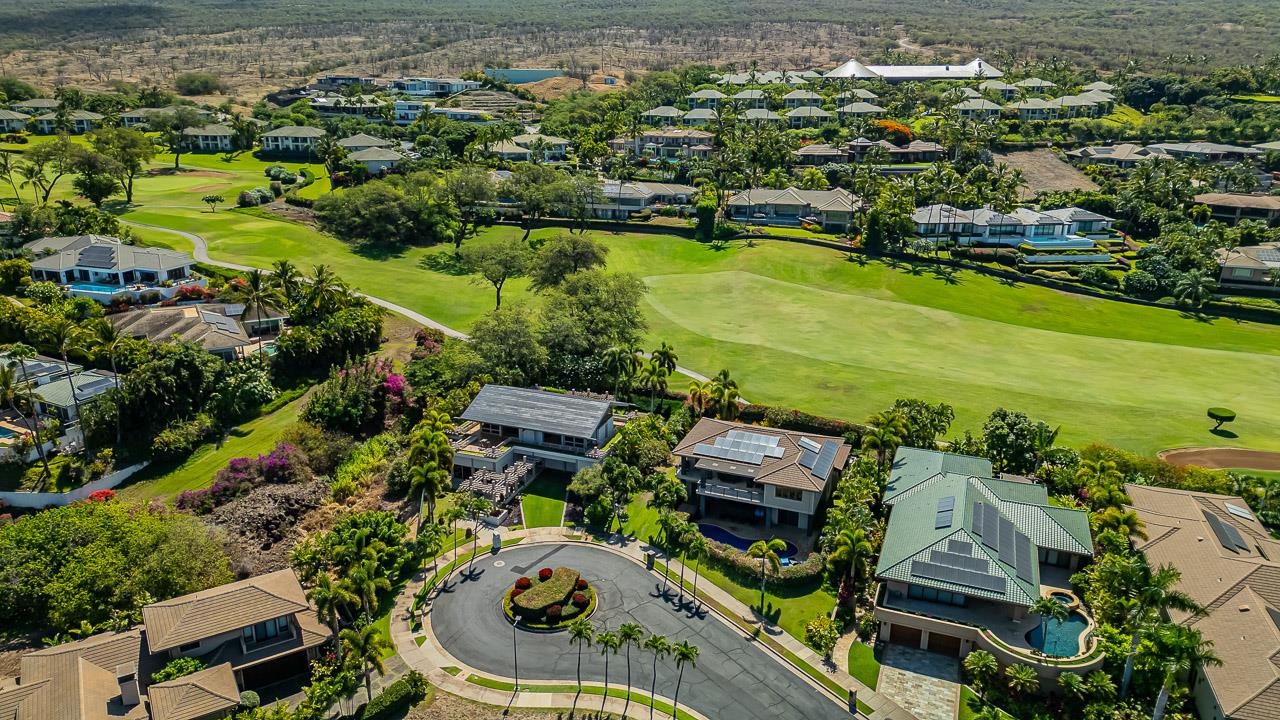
925 683
734 678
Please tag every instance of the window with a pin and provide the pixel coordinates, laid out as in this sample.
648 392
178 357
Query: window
935 595
189 646
1241 272
788 494
267 632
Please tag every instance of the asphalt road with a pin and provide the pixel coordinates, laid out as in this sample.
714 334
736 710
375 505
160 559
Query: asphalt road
734 678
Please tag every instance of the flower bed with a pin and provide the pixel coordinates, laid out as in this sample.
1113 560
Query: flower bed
550 599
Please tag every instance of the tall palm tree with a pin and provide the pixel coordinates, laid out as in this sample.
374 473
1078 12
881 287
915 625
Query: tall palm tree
18 354
367 645
666 358
852 549
1155 595
766 551
450 517
1118 520
699 396
64 336
583 635
622 363
287 279
1189 650
653 377
108 339
609 642
629 634
724 395
1049 609
366 580
885 432
430 460
697 547
660 647
476 507
254 291
329 598
685 654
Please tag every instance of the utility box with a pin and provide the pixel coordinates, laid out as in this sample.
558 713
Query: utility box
497 541
648 561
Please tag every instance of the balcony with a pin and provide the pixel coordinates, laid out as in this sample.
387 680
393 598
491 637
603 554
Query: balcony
730 492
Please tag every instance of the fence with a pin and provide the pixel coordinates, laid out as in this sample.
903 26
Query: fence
35 500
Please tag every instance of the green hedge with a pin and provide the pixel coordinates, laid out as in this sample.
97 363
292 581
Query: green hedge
398 696
554 591
746 569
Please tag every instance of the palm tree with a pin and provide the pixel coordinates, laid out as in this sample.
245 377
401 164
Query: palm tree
581 634
476 506
609 642
254 291
699 396
1194 289
1022 679
329 598
109 338
63 336
430 460
629 634
660 647
287 279
450 517
981 667
851 548
18 354
767 552
1189 650
430 542
884 434
1123 522
621 362
724 395
1073 686
653 377
666 358
1155 596
683 533
1048 608
1100 686
697 547
1103 484
366 580
685 654
367 645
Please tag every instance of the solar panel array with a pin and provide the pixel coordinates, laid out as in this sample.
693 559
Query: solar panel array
97 256
946 511
1269 255
1025 557
826 459
958 576
1239 511
1007 541
975 522
990 527
959 546
1227 535
93 386
966 562
810 445
740 446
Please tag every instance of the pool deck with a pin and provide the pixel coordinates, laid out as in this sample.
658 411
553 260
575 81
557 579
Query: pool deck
801 539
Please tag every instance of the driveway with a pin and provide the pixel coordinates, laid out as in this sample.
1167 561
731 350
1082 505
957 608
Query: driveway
927 684
734 678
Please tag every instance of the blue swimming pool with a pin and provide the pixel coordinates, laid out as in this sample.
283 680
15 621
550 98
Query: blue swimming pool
1062 243
6 433
720 535
93 287
1059 639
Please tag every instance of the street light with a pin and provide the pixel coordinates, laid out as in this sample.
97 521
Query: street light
515 655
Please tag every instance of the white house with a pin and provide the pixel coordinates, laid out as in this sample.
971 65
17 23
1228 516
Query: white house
102 267
831 209
977 69
977 109
808 116
376 160
801 98
855 109
291 140
13 121
1035 109
751 99
1064 228
699 116
78 121
433 87
662 115
362 141
705 98
758 115
210 138
555 148
463 114
619 199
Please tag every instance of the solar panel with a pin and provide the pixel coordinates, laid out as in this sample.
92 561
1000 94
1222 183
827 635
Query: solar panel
1006 542
958 576
990 527
956 560
807 458
1239 511
947 503
959 546
1025 558
1228 536
942 519
93 386
826 459
976 522
810 445
1269 255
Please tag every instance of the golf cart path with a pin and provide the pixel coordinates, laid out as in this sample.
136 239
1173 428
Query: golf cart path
200 251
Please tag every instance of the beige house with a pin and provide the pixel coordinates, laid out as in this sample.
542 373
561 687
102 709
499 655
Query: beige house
1234 207
831 209
13 121
78 122
291 140
250 634
210 138
1230 565
1250 267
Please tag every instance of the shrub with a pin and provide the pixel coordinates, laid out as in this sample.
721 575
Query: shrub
821 634
517 592
249 700
246 199
551 592
580 600
545 574
181 437
398 696
324 449
301 202
149 297
176 668
273 171
581 584
1221 416
1097 276
524 583
197 83
554 612
276 188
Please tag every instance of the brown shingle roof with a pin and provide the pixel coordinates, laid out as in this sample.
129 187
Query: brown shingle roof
196 695
223 609
1240 200
78 680
785 471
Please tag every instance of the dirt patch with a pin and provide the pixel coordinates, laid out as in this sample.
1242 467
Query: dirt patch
207 188
1222 458
292 213
1043 171
557 87
451 707
265 524
167 171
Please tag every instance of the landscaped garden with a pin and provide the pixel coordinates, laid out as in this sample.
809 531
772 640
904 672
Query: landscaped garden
542 504
551 599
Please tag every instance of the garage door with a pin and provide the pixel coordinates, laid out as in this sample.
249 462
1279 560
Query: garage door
904 635
944 644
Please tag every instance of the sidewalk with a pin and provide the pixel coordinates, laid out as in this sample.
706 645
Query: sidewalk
430 658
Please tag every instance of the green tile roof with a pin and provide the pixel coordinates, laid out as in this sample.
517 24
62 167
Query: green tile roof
912 466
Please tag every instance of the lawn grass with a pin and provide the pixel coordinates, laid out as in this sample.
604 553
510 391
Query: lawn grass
252 438
542 504
971 706
1124 115
614 692
1261 98
863 664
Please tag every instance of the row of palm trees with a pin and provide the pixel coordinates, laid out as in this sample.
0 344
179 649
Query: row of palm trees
718 396
630 369
628 635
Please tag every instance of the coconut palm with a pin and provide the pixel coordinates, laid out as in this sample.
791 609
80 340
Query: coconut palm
1124 522
766 551
698 548
367 645
981 667
629 634
430 460
430 542
64 336
724 395
450 518
851 550
1155 595
1049 609
108 340
366 580
609 642
660 647
256 291
653 377
1188 650
583 635
685 654
329 598
666 358
884 434
1022 679
699 396
286 278
476 507
622 363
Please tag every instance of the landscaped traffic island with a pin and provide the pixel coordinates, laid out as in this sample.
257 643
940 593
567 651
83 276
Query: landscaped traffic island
550 599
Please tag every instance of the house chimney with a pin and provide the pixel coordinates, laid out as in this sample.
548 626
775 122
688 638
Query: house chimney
127 676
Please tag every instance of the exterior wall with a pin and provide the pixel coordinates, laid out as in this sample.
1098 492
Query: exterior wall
376 167
297 145
47 499
1207 706
13 125
212 143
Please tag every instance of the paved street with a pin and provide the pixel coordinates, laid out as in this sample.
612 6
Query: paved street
733 678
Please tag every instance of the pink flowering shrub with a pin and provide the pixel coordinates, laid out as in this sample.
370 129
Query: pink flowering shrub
284 464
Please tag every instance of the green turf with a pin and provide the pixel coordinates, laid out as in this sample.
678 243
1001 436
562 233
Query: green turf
1257 98
1124 115
863 664
569 688
255 437
971 706
543 502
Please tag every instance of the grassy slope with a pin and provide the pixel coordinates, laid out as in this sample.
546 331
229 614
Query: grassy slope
543 503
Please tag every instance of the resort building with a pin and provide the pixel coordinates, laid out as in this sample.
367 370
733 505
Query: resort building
250 634
1003 89
801 98
976 69
76 122
668 142
966 554
224 329
699 116
291 140
763 476
377 160
1253 267
1123 155
432 87
101 268
830 209
1230 565
760 115
504 426
747 99
859 108
1063 228
662 115
363 141
406 112
210 138
12 121
709 99
554 149
39 370
807 116
977 109
1234 207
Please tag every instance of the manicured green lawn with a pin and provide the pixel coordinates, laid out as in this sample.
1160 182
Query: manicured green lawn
543 502
971 706
252 438
614 691
1125 115
1257 98
863 664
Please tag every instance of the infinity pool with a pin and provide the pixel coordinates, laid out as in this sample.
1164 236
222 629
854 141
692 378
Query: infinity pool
92 287
720 535
1063 638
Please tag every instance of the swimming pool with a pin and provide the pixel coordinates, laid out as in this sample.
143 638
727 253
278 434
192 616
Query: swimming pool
6 433
93 287
720 535
1062 243
1058 639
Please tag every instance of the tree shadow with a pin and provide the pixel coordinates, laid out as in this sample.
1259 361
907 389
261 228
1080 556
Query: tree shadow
1224 433
445 262
770 615
115 207
1009 281
1197 316
948 275
857 259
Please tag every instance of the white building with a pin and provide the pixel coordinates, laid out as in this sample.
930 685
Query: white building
291 140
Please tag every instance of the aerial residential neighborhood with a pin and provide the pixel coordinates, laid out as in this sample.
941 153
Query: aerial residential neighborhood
374 363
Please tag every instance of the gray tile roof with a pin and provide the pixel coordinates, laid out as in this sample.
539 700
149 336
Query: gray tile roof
68 253
538 410
295 131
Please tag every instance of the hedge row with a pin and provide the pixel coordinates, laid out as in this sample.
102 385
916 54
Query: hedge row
790 419
746 569
399 695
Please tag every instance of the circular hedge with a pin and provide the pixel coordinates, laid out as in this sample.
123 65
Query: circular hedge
549 599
